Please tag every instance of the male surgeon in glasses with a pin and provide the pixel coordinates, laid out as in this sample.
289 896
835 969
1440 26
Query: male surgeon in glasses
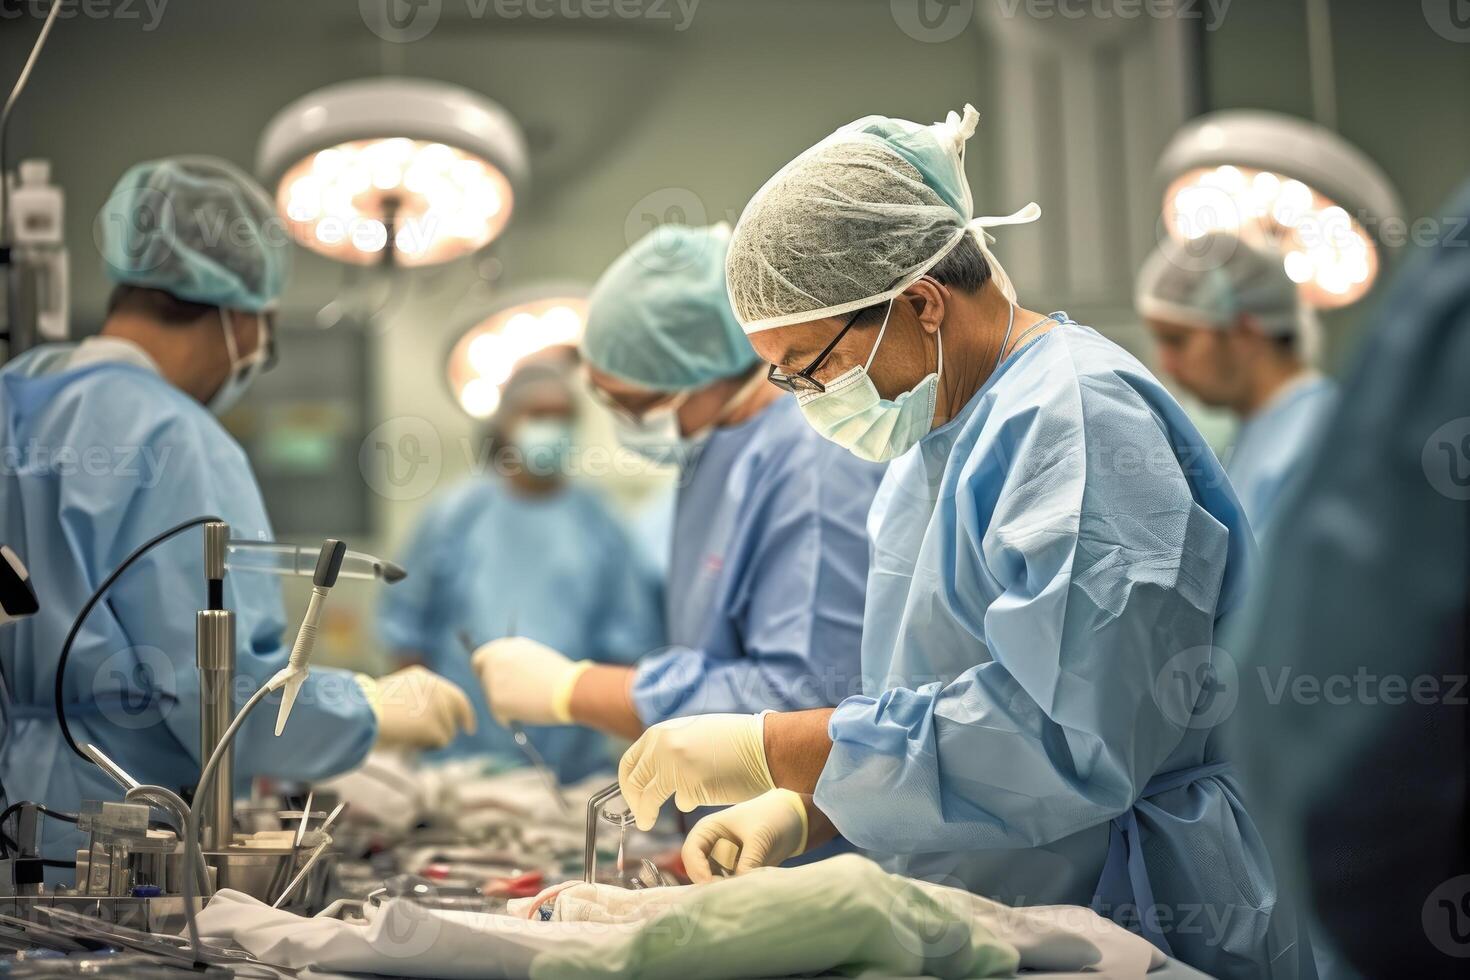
1054 550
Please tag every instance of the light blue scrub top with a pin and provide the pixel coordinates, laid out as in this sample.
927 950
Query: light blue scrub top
1050 570
1276 444
766 577
486 562
98 459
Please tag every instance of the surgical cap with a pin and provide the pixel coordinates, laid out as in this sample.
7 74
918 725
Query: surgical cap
197 228
857 219
659 317
1212 280
533 378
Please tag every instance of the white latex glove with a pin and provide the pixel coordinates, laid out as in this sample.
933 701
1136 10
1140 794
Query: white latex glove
527 681
417 708
759 833
700 761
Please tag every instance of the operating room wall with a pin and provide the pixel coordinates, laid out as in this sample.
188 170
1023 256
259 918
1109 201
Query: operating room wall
634 122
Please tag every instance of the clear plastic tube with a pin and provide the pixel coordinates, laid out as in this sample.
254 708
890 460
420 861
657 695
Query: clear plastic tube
290 559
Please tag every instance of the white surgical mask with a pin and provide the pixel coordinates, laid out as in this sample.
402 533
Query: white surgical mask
545 445
854 415
243 370
655 436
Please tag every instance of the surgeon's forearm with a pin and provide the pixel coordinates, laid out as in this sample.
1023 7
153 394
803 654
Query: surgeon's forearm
797 746
819 827
603 699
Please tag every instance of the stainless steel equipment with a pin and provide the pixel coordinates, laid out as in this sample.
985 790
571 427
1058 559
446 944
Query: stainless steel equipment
595 813
214 644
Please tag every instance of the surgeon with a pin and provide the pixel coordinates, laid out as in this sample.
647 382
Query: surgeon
521 551
114 440
1368 590
1054 549
1231 327
769 557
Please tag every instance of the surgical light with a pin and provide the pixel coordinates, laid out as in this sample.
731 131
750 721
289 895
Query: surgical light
1288 185
401 170
487 354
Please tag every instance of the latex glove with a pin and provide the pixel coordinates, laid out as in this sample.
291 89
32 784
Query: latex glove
758 833
700 761
417 708
527 681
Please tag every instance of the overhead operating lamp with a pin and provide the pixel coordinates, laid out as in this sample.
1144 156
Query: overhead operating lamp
393 170
1286 184
488 351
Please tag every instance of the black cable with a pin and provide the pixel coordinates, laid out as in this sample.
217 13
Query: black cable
76 626
8 845
56 814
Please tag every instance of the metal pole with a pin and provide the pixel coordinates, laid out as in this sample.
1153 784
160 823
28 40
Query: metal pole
214 643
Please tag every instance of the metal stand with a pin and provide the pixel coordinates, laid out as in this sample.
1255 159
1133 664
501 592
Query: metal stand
214 638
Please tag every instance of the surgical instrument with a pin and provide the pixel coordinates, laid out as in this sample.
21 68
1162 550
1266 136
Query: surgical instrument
518 732
595 813
290 559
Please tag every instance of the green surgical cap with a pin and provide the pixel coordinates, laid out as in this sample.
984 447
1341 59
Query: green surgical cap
197 228
659 317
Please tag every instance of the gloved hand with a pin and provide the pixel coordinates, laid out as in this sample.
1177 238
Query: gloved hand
700 760
527 681
417 708
758 833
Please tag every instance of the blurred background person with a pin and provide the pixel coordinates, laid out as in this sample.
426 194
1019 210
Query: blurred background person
1230 327
1355 722
522 551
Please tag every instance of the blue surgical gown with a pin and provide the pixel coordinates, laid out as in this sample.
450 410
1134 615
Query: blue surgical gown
1365 604
98 459
1049 571
1275 445
486 562
766 577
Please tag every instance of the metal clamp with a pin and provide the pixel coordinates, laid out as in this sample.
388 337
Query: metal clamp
594 813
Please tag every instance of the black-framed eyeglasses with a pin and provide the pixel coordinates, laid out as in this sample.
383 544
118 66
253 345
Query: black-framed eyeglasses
802 380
